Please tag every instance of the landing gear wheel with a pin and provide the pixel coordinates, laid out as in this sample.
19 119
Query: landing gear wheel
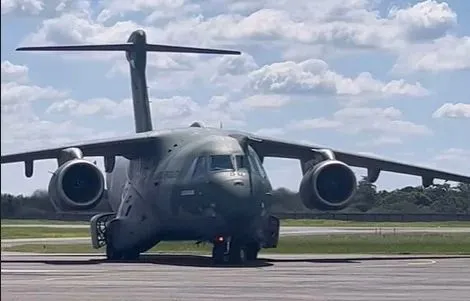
218 252
237 252
252 250
112 253
131 255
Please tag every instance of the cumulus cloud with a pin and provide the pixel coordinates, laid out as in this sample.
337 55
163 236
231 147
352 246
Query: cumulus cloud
17 90
457 155
103 106
418 33
314 76
174 111
315 123
425 20
21 125
236 65
381 120
13 93
386 123
71 28
264 101
450 110
27 6
340 23
49 8
448 53
159 9
12 72
349 24
270 132
383 141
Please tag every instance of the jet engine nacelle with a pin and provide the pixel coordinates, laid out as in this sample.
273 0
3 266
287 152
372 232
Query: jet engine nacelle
329 185
76 185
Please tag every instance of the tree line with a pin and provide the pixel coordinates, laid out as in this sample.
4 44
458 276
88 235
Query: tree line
441 198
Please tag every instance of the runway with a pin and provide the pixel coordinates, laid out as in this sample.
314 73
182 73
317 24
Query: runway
184 277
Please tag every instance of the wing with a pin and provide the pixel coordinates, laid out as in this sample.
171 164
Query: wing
268 147
127 146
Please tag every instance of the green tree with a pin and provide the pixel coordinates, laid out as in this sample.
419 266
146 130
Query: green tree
366 196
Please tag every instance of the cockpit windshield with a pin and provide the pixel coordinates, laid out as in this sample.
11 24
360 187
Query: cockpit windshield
221 162
240 161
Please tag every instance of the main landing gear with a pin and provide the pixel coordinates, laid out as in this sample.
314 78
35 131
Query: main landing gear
101 235
233 251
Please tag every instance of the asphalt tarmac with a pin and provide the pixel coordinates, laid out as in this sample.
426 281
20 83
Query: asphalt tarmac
274 277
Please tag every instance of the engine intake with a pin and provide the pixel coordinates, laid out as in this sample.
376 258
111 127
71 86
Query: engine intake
329 185
76 184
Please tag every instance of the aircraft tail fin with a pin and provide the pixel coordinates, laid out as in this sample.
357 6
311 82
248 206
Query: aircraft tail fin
136 50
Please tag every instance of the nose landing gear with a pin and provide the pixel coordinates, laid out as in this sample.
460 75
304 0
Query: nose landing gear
233 251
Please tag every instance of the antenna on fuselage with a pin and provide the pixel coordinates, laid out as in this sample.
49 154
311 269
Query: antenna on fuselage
136 50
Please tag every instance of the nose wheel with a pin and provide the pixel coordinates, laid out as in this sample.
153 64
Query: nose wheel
219 251
233 251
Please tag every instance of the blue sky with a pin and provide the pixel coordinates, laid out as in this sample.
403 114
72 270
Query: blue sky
389 78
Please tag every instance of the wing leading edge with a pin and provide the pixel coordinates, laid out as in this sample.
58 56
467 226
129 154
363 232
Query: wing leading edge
128 146
268 147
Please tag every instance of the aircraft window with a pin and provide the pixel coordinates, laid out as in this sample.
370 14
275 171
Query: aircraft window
221 162
200 168
240 161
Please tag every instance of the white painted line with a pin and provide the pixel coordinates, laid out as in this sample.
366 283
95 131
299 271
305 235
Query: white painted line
423 262
34 271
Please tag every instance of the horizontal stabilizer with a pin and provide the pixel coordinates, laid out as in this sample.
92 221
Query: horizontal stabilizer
102 47
168 48
128 47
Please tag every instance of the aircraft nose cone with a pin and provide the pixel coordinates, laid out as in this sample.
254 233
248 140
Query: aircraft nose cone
238 188
233 196
230 192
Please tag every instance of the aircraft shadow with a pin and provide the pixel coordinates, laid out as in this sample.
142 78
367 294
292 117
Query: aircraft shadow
206 261
159 259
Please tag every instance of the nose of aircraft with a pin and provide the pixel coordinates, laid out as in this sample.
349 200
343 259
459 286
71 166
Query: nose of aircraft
232 193
238 189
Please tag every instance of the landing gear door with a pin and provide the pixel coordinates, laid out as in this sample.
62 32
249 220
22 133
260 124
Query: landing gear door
271 232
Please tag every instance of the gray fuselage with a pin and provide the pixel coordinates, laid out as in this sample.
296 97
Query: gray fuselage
195 184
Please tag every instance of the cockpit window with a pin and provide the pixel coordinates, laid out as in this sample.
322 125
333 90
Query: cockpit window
221 162
200 168
240 161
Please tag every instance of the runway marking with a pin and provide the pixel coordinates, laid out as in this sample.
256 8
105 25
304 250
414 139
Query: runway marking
402 263
423 262
70 277
31 271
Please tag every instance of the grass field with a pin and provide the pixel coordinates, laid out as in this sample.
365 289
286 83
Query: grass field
38 232
40 221
291 222
324 244
340 223
45 232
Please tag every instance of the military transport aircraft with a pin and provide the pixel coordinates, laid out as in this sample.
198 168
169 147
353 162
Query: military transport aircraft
194 183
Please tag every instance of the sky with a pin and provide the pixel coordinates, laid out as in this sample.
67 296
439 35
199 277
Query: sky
386 78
